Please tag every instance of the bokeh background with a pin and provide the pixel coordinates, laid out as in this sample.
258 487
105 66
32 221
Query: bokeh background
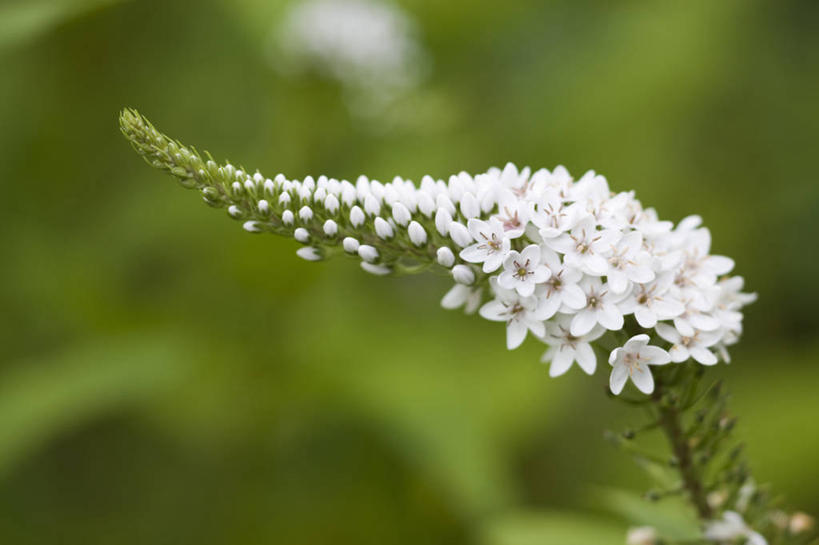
167 378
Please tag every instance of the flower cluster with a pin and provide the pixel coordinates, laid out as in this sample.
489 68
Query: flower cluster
563 260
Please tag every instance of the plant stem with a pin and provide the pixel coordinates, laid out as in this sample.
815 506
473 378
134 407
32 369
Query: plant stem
670 419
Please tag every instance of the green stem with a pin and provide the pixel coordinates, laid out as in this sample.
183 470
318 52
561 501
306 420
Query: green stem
670 419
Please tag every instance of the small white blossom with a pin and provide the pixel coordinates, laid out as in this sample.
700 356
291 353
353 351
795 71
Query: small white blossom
585 247
685 347
234 211
632 361
519 313
628 262
331 204
523 271
565 348
305 213
600 308
491 247
653 302
263 206
287 217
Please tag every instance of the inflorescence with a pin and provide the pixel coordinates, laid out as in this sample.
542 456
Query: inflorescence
567 261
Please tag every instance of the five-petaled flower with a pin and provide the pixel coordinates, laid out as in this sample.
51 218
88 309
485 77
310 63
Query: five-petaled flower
631 361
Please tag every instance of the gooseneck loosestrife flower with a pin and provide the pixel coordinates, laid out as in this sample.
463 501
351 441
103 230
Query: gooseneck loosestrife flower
570 263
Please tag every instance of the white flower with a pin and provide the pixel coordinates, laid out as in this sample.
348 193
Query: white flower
305 213
628 262
519 313
600 308
561 290
565 348
585 247
632 361
400 214
685 347
357 216
652 302
491 247
731 528
287 217
513 216
523 271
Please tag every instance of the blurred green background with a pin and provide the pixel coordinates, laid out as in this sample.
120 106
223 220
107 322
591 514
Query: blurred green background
168 378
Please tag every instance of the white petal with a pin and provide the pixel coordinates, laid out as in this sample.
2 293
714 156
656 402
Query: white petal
583 322
610 317
618 378
645 317
703 355
678 353
515 333
494 311
562 361
643 379
573 296
654 355
585 358
668 333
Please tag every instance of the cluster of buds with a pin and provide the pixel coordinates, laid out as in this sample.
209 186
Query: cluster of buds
564 260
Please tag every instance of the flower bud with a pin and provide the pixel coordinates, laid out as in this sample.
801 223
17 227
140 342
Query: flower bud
372 268
371 205
305 213
287 217
350 245
469 206
400 214
357 216
426 204
800 523
642 535
331 203
264 206
460 234
330 228
309 253
463 275
367 253
284 199
442 220
252 227
383 229
417 234
301 234
445 257
234 211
